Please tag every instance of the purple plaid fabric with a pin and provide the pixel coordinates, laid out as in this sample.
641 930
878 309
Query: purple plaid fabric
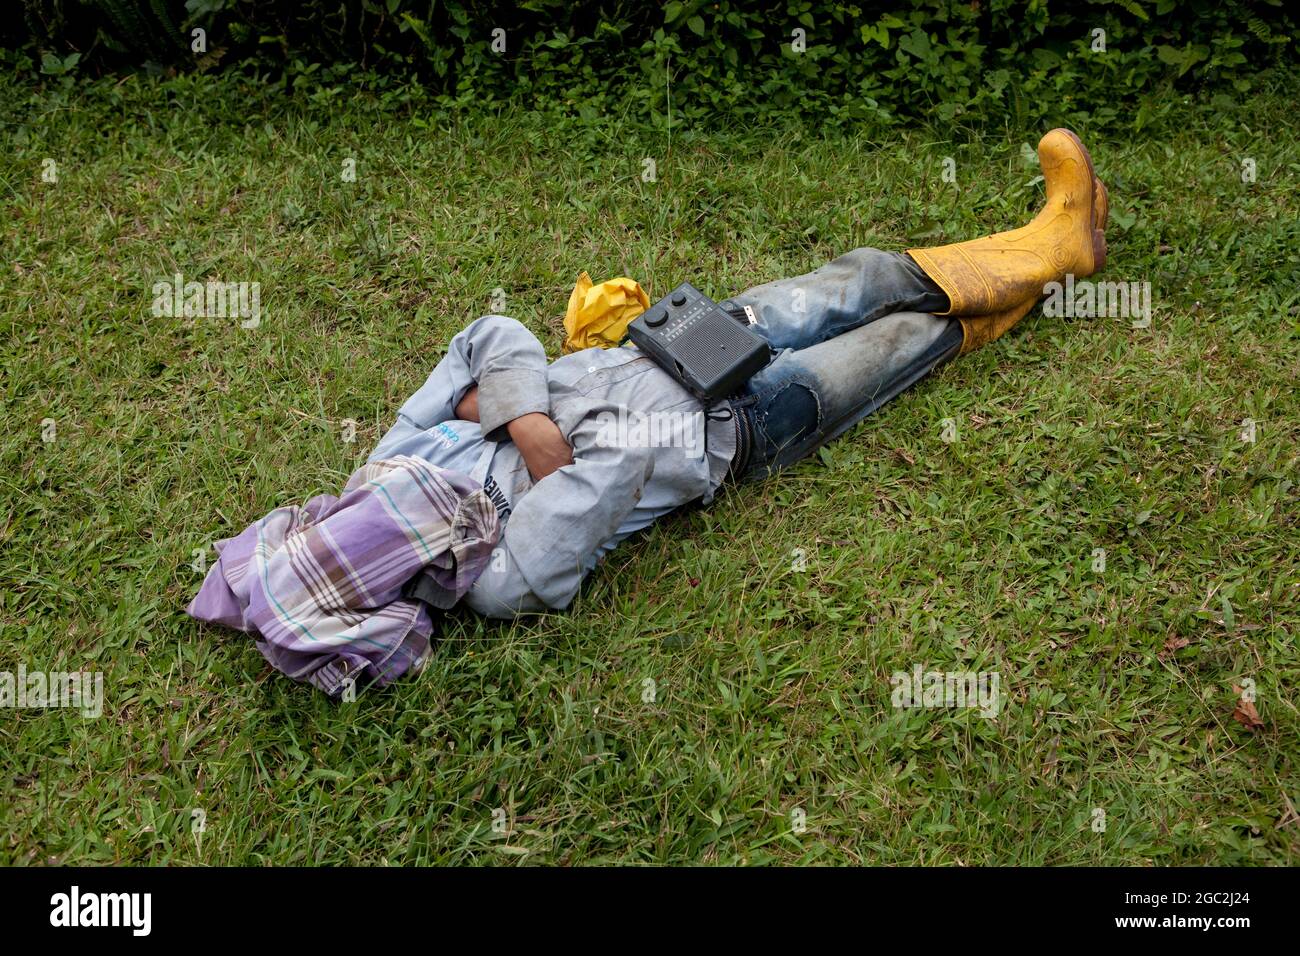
322 586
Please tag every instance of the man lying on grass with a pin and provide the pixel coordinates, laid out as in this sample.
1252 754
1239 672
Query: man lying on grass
845 339
506 478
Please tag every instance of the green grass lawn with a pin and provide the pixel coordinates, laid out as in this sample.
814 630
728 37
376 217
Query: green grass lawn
771 699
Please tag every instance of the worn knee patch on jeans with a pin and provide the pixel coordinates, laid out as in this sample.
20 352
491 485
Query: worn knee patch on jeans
791 415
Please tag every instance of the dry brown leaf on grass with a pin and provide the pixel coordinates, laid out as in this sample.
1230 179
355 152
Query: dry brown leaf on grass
1245 711
1173 645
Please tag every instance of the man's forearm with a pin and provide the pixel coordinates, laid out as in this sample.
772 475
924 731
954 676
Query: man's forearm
539 440
541 443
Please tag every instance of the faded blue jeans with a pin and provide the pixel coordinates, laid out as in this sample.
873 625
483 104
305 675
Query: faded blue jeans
847 338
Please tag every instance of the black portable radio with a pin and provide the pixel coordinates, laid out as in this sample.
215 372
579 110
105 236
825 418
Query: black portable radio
699 344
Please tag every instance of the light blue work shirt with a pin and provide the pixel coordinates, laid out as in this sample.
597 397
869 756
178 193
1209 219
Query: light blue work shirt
642 446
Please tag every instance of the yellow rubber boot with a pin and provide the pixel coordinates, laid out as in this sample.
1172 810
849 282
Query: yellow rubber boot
982 329
993 282
978 330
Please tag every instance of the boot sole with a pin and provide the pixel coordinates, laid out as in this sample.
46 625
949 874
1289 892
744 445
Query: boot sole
1098 236
1099 191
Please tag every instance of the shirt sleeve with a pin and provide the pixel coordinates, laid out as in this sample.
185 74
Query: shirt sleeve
509 365
563 519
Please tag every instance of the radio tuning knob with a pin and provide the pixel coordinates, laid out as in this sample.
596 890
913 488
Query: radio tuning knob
656 319
679 299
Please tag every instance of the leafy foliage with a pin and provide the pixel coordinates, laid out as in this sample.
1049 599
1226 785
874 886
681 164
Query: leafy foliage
839 62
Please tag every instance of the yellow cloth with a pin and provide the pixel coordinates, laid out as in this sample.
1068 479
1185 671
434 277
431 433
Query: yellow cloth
598 315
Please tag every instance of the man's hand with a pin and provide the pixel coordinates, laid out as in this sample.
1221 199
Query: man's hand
467 407
541 443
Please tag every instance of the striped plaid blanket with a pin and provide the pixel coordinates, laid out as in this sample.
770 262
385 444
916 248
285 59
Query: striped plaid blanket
323 586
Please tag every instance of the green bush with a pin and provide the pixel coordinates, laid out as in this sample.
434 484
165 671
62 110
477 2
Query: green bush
836 62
